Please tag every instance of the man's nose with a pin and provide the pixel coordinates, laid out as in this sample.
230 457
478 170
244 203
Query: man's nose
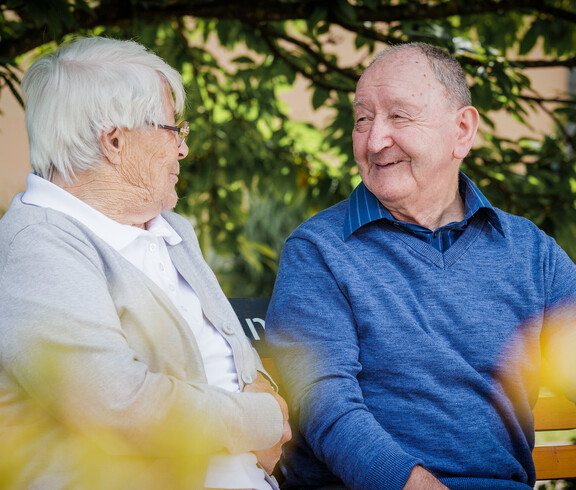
380 135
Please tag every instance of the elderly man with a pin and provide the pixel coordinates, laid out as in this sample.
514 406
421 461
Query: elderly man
408 321
122 364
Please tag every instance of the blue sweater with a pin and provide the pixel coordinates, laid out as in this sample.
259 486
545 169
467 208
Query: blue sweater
395 354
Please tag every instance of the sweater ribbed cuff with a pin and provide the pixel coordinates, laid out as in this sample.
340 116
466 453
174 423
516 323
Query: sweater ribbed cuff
390 470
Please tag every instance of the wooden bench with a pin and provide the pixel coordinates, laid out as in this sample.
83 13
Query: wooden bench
557 461
551 413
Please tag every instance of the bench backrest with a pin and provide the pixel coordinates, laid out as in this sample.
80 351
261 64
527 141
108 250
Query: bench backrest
551 413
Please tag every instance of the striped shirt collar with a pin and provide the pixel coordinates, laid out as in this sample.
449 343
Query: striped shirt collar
363 207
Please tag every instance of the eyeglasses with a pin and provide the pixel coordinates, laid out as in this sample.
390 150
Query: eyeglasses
182 129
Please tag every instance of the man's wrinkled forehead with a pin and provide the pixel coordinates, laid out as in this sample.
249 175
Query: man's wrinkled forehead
400 60
396 71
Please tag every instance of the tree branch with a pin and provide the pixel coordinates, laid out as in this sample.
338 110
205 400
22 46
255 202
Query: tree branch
347 73
369 33
567 62
319 82
422 11
125 12
569 138
540 100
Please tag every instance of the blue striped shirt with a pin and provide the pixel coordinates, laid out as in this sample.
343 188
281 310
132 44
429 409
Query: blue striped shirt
364 207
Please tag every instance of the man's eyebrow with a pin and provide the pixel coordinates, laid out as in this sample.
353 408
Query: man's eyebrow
363 103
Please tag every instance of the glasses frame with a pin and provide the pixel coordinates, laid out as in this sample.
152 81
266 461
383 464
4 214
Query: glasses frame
182 130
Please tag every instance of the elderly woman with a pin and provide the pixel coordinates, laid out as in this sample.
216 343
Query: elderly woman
122 364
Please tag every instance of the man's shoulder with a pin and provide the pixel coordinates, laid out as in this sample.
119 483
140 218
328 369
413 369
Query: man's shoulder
514 225
327 223
525 238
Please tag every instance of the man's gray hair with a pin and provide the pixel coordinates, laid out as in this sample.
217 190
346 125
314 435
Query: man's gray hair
86 87
446 69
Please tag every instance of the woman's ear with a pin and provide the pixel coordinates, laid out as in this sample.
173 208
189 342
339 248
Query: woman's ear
468 120
112 142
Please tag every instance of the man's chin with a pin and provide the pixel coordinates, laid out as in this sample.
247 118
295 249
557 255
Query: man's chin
389 191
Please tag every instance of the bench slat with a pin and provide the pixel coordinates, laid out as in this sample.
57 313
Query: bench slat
555 462
554 413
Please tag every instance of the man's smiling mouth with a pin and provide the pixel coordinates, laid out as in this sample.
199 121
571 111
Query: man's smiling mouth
387 164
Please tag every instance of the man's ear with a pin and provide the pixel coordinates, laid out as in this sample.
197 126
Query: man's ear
112 141
467 120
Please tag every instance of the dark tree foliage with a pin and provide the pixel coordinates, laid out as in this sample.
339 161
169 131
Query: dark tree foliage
253 174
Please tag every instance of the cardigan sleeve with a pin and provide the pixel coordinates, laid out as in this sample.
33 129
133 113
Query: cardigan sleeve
63 342
312 333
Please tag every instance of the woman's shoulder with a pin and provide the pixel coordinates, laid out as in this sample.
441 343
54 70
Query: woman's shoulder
21 216
26 228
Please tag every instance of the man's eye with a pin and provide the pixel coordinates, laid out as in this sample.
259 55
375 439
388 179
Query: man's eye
362 124
363 120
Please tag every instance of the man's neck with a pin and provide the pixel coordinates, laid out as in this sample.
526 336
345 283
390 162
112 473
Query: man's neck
431 214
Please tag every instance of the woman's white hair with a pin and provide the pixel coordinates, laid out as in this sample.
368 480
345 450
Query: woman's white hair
84 88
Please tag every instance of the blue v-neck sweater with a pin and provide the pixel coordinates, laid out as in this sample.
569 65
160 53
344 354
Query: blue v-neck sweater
395 354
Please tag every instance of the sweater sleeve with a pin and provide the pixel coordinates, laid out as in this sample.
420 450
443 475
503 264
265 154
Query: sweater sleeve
64 344
314 340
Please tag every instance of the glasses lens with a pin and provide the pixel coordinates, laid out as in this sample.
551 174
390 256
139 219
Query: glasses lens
184 130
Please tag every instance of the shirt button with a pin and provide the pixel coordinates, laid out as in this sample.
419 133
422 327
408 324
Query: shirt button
247 378
161 267
152 247
228 328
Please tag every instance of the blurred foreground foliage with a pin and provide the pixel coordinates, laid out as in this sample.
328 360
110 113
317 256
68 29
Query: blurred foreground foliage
254 173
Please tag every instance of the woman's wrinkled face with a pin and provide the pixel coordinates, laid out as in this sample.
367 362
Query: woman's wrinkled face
150 161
